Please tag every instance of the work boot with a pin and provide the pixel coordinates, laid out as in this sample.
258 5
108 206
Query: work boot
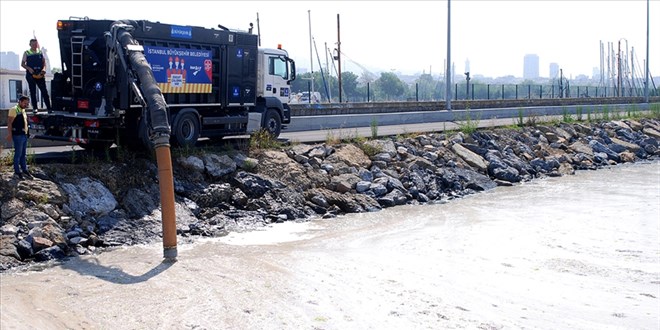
28 174
19 176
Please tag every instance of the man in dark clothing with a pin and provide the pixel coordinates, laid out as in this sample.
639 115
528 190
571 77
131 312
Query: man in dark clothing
34 64
17 132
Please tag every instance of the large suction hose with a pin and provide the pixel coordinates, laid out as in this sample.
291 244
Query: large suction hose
159 128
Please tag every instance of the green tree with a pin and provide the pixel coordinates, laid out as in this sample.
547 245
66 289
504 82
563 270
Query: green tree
390 87
349 85
301 83
425 87
366 78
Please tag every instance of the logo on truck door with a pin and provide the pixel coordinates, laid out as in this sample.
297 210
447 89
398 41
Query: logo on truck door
174 69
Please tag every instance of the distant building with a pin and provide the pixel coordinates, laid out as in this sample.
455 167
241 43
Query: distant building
13 85
9 61
531 66
554 71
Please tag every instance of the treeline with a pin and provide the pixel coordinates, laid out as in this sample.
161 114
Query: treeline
389 87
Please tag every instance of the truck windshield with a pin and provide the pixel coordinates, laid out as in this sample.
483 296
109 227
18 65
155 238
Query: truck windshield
277 67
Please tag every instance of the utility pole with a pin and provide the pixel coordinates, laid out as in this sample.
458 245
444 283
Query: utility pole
327 64
448 74
561 83
258 30
618 70
339 58
646 81
311 58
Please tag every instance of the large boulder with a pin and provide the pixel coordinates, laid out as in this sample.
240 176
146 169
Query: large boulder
89 197
351 155
470 157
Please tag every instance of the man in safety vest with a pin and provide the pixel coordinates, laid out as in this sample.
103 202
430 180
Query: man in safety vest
17 133
34 64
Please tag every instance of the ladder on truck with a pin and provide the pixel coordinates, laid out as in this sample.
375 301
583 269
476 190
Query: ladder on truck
77 63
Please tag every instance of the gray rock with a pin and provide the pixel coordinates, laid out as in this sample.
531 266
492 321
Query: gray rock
651 132
11 208
351 155
344 182
317 152
378 164
239 198
8 246
244 162
402 152
378 189
383 146
362 186
8 229
219 166
395 197
474 180
215 194
394 183
252 185
51 253
431 156
24 249
138 203
382 157
76 240
28 216
193 163
302 159
365 175
470 157
320 201
40 191
89 196
601 148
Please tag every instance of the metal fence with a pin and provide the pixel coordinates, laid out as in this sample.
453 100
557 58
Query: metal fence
503 91
463 91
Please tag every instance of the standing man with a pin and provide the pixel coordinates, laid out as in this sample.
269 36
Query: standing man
17 132
34 64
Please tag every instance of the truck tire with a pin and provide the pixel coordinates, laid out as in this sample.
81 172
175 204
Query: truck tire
273 123
186 129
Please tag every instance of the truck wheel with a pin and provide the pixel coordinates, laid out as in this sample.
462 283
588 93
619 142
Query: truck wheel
273 123
186 131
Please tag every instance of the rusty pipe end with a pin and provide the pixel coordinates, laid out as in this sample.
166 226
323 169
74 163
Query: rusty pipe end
166 184
170 253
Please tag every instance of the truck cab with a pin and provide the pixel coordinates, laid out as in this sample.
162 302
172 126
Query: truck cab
275 73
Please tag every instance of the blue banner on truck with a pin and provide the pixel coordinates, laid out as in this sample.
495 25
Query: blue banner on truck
179 70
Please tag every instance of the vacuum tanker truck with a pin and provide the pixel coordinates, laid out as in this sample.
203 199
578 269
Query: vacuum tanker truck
215 83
